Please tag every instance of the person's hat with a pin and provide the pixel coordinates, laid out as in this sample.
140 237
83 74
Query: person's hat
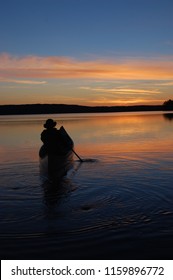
49 123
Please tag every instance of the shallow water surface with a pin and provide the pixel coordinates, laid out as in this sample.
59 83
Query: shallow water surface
117 206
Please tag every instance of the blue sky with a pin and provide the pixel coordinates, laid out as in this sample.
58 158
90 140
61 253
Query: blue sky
90 52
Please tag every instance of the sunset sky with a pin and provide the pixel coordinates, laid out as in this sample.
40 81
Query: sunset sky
87 52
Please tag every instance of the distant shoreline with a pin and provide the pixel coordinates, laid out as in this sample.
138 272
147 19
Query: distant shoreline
27 109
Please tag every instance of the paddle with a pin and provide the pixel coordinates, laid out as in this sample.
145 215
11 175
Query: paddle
81 160
84 160
69 142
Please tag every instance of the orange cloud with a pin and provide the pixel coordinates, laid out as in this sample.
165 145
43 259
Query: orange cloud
25 82
126 101
67 68
126 91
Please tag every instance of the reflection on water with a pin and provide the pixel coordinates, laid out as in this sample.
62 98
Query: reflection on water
56 192
120 202
168 116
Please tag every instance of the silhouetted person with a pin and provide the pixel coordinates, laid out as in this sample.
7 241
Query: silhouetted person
52 138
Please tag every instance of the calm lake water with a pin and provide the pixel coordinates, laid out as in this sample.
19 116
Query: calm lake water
120 206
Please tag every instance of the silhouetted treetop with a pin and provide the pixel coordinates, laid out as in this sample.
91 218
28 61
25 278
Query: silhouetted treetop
168 105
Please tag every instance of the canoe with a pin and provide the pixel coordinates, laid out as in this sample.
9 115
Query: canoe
56 164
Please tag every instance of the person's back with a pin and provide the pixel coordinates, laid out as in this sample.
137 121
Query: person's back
51 138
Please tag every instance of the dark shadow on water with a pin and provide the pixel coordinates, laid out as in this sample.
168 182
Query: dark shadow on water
56 191
168 116
92 160
89 248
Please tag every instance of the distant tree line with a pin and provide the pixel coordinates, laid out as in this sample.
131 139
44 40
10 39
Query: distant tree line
26 109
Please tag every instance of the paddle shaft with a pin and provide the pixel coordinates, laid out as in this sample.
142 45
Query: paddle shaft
77 155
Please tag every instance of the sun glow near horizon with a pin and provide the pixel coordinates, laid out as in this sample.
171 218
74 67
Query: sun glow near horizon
56 79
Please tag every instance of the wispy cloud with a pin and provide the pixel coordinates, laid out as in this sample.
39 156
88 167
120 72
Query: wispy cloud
23 82
169 83
28 82
126 91
28 67
125 101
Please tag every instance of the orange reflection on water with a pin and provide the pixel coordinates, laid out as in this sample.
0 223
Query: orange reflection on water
93 134
144 132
